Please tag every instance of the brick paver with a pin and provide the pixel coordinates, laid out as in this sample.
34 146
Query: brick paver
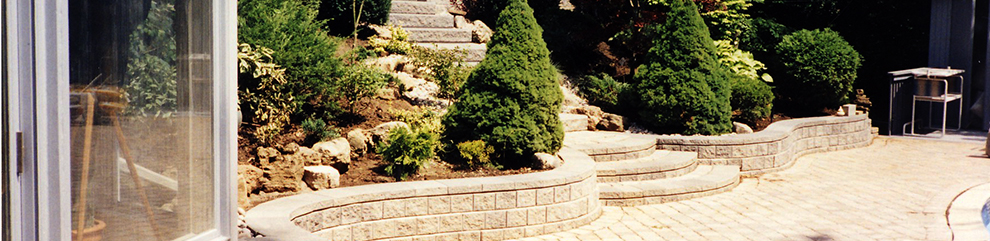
894 189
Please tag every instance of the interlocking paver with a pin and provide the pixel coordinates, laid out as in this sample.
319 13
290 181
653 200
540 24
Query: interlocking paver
879 192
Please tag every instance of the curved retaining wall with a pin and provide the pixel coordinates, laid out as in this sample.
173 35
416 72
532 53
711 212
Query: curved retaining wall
488 208
777 146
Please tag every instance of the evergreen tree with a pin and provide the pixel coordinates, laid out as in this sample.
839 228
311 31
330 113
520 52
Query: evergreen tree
511 100
681 86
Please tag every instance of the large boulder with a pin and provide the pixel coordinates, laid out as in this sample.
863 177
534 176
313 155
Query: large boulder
380 132
544 161
336 153
307 156
249 179
358 141
612 122
321 177
741 128
284 174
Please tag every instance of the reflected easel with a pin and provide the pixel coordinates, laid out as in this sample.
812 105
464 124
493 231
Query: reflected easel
113 102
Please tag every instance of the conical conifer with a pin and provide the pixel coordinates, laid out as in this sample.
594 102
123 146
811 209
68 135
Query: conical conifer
681 86
511 99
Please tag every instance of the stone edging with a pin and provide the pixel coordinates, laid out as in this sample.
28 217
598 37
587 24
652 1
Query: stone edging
776 147
965 214
494 208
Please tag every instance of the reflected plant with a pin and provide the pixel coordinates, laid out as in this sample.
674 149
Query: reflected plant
151 67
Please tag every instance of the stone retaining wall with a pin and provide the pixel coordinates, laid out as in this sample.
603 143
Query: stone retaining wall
777 146
488 208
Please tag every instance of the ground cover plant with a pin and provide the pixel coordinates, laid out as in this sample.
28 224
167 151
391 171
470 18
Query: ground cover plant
511 99
681 87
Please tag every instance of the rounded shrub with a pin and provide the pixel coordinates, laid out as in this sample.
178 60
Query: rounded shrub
752 99
819 69
512 98
681 86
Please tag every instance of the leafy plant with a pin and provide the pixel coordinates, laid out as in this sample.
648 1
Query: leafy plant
512 98
682 87
477 154
420 118
407 151
317 130
445 68
740 62
151 72
820 68
398 44
260 91
601 91
300 45
361 82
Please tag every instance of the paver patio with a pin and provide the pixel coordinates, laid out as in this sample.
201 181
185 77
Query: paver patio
894 189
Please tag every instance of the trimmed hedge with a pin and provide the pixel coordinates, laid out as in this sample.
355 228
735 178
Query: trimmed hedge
512 98
681 86
819 66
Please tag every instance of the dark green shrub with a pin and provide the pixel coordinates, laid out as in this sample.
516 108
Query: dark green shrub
752 99
512 98
762 36
682 87
601 91
819 67
300 45
340 14
445 68
317 130
407 151
476 154
151 72
361 82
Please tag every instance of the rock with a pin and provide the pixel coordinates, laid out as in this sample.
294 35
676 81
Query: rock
389 63
358 140
612 122
461 22
481 33
381 31
590 111
456 11
267 152
544 161
408 81
380 132
571 98
425 95
741 128
321 177
388 93
308 156
593 123
336 153
249 179
284 174
289 148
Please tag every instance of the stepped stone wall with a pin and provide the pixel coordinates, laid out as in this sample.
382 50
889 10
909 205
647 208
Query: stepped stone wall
777 146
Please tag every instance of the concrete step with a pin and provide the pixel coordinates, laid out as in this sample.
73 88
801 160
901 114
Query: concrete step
604 146
704 181
475 51
662 164
574 122
416 7
439 35
407 21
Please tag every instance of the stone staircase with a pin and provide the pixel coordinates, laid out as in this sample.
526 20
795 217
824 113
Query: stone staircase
430 25
631 171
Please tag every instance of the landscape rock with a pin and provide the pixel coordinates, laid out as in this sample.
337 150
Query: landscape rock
284 174
389 63
289 148
321 177
380 132
266 152
358 140
249 179
381 31
336 153
307 156
461 22
571 99
544 161
612 122
481 33
388 93
590 111
456 11
741 128
409 82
